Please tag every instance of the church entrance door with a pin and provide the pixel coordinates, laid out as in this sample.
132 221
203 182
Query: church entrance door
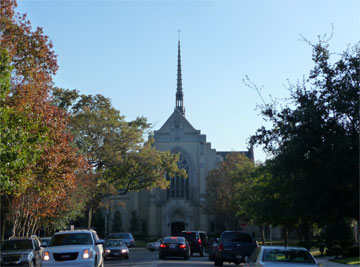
177 227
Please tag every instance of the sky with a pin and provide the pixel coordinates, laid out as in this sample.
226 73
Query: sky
127 52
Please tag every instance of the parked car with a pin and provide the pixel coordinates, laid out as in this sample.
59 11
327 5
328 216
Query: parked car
44 241
213 246
197 240
234 246
154 245
280 256
74 248
116 248
174 246
21 251
127 237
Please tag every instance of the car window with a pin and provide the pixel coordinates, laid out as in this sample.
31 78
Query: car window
173 239
16 245
71 239
236 237
114 243
37 244
120 235
95 237
291 255
190 236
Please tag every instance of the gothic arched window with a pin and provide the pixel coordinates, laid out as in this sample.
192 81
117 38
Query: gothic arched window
179 186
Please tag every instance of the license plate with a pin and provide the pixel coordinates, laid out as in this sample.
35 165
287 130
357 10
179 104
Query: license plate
238 256
172 246
116 253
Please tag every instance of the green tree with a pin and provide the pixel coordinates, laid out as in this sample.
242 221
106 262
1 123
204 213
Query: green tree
315 139
117 222
134 222
121 160
223 185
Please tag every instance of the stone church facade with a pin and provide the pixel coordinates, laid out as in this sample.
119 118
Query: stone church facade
167 212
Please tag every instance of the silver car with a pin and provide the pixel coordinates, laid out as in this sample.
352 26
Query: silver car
280 256
21 251
74 248
154 245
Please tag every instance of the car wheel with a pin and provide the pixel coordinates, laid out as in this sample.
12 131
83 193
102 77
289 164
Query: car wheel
211 258
126 256
202 252
237 262
218 262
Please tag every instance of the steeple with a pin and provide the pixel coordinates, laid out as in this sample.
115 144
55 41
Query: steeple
179 93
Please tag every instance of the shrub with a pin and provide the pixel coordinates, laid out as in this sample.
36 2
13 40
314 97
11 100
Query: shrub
352 251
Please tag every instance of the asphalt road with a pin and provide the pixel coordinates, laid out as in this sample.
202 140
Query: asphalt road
140 257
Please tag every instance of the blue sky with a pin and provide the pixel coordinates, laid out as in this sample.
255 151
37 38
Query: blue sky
127 51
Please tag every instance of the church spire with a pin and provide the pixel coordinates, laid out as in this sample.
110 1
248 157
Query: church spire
179 92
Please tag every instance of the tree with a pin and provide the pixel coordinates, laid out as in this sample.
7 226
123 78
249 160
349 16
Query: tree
314 140
121 160
35 142
223 185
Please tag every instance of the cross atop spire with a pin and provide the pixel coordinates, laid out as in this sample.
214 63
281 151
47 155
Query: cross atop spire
179 93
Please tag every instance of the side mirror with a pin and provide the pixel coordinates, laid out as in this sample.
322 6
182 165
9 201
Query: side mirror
99 242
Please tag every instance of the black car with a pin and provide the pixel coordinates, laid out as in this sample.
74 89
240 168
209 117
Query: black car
116 248
234 246
21 251
174 246
197 240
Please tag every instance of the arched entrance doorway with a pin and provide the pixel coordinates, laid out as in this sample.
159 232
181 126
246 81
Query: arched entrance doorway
177 227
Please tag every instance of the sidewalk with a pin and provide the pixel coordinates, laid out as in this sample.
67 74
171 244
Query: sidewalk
325 262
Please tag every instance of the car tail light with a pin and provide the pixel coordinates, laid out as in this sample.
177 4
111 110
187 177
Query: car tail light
162 245
221 247
87 254
199 242
182 246
46 256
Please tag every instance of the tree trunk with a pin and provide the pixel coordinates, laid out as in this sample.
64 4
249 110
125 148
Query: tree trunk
262 231
3 222
286 236
90 213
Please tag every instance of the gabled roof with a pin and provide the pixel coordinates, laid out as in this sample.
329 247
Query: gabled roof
177 120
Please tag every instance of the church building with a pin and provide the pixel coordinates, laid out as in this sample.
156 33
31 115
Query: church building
167 212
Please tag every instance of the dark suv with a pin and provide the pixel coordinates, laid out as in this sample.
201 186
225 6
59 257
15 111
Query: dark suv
21 251
197 241
234 246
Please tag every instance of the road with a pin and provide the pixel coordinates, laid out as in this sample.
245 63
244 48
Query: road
140 257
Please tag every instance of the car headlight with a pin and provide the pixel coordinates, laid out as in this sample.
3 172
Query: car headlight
87 254
46 256
123 251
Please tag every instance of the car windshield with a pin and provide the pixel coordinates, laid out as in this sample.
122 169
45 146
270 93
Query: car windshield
16 245
121 236
289 255
190 236
236 237
114 243
172 239
70 239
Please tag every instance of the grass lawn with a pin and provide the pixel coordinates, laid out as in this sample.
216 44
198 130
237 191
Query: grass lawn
350 261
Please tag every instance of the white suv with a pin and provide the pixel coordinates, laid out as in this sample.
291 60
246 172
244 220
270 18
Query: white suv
74 248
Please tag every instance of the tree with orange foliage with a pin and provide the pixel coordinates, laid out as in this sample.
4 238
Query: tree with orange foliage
50 178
